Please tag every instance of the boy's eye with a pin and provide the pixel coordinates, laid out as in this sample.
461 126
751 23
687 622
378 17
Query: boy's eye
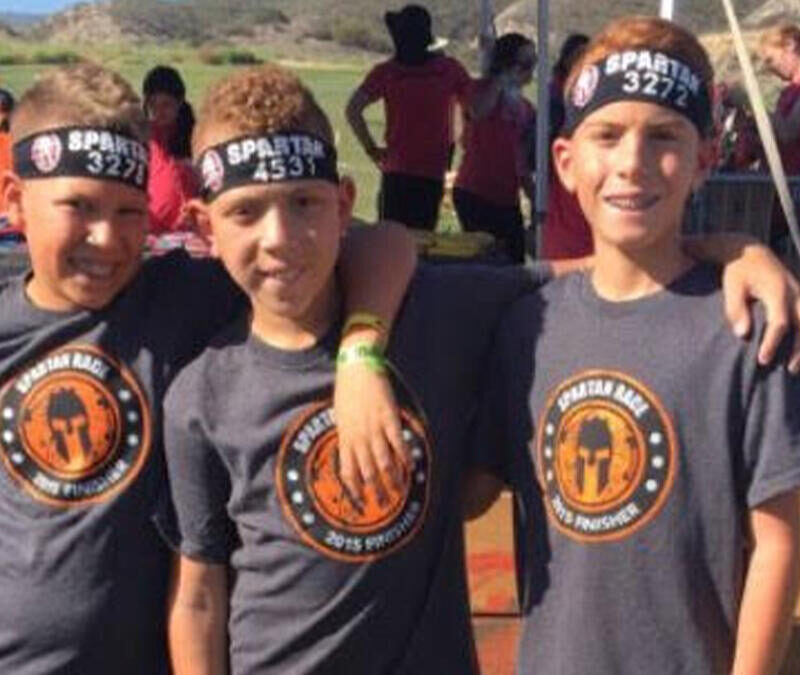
306 200
76 205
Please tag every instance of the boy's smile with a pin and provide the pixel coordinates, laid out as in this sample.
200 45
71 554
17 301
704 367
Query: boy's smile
280 243
85 238
632 166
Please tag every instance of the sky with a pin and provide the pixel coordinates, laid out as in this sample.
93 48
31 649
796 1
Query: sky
34 6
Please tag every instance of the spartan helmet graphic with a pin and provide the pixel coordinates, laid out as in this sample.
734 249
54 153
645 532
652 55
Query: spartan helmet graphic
594 457
69 423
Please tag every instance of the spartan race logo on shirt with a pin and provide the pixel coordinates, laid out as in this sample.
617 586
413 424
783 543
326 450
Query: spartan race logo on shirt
321 508
607 455
74 427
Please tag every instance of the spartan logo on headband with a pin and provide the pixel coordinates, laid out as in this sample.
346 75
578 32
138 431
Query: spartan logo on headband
270 158
84 152
639 75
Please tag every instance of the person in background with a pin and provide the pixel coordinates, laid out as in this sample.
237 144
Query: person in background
494 166
566 233
172 179
780 52
420 88
6 106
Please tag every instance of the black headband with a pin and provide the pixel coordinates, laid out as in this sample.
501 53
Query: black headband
85 152
268 158
646 75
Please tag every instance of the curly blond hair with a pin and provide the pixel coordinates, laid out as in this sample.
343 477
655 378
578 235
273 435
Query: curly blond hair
86 94
261 99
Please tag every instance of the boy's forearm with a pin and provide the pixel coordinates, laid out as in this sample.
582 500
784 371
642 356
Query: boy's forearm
375 268
197 624
770 590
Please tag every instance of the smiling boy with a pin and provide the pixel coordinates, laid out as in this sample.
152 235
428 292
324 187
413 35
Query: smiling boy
662 529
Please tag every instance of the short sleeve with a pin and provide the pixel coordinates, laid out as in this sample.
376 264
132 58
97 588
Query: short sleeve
199 483
503 426
771 443
374 84
462 83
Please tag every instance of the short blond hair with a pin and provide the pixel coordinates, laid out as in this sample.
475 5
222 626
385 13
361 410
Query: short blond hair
85 94
645 32
261 99
782 35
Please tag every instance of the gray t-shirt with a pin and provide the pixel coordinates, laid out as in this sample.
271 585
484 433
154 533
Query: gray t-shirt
82 567
323 584
654 432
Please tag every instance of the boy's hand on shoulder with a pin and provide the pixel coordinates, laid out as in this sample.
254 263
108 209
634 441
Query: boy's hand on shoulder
757 274
372 451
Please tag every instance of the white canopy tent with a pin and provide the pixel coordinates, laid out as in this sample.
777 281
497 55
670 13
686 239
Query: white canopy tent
667 11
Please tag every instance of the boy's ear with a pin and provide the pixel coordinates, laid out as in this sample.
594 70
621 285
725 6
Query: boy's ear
706 158
563 161
197 210
11 196
346 202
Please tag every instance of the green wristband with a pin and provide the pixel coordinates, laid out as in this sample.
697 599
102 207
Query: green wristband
362 352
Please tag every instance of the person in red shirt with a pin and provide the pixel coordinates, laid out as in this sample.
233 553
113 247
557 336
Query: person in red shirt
6 106
419 88
172 180
494 166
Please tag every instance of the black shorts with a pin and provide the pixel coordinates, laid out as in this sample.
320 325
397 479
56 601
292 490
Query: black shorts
503 222
411 200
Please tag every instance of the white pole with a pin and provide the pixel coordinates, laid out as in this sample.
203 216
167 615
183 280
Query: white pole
763 124
486 35
667 9
542 122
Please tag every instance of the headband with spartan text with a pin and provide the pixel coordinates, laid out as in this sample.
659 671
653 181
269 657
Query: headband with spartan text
268 158
652 76
84 152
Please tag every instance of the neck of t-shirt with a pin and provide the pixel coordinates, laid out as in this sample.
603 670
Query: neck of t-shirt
295 333
621 275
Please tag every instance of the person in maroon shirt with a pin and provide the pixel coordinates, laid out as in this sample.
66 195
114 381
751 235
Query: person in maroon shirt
419 88
780 51
172 180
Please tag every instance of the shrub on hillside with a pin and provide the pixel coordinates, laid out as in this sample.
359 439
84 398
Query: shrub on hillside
233 57
363 33
62 57
13 59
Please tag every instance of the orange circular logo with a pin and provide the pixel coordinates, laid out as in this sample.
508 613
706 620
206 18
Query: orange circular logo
322 510
607 453
74 426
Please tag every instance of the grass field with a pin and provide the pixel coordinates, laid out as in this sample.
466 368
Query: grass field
332 86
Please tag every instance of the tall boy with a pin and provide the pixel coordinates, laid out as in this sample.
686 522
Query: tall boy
89 340
664 511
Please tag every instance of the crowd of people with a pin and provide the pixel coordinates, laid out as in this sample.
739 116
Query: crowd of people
259 462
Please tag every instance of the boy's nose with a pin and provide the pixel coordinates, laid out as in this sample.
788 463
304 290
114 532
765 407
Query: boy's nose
632 156
275 229
101 233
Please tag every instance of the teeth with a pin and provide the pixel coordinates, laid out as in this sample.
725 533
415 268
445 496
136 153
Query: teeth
631 203
282 275
93 268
